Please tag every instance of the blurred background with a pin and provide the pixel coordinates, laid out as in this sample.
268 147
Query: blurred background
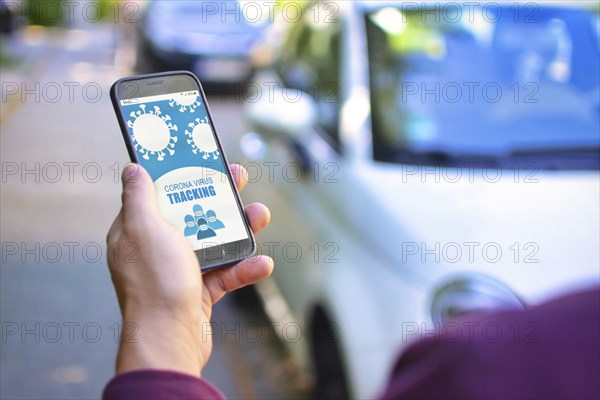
421 161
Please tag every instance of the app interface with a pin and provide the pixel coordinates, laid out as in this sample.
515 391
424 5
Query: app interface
174 141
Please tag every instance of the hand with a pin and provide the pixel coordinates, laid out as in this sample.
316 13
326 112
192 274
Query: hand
165 301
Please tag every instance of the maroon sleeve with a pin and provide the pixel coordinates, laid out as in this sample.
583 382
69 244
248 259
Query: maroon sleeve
548 352
157 384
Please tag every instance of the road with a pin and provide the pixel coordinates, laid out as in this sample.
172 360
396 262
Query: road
61 153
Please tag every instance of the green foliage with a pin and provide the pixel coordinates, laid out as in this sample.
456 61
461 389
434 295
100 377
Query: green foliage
107 8
45 12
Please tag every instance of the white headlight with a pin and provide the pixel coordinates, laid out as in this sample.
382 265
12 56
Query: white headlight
464 295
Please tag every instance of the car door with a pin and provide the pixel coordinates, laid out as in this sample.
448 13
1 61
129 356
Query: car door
298 171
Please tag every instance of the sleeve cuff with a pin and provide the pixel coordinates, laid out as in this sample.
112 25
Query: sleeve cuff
159 384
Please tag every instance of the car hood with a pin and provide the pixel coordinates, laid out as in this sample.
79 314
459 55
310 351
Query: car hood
545 224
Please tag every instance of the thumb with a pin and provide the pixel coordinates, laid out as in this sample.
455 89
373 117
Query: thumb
139 196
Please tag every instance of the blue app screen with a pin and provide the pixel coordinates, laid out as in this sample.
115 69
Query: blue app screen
175 143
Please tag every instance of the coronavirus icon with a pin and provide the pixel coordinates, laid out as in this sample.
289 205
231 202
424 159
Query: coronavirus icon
185 102
200 138
151 132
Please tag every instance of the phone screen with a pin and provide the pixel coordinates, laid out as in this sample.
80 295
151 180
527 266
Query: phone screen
174 140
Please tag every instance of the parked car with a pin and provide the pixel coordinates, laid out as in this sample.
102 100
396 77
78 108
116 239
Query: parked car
8 16
211 39
417 203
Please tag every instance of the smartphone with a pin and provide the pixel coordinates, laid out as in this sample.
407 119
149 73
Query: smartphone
168 130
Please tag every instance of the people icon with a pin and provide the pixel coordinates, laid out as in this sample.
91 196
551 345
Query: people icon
213 222
204 231
198 212
190 226
202 225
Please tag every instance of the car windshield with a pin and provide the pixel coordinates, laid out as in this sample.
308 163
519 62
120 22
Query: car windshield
223 16
450 85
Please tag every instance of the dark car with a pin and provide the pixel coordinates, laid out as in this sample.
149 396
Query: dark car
211 39
8 16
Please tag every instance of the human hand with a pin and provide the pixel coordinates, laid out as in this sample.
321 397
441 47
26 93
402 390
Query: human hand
163 297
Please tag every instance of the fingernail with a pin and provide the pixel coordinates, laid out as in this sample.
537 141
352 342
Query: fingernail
129 173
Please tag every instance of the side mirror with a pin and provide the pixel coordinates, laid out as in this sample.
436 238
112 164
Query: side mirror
281 112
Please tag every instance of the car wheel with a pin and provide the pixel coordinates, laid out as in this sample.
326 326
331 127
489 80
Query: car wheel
327 359
246 297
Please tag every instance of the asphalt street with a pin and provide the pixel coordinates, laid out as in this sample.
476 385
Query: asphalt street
61 153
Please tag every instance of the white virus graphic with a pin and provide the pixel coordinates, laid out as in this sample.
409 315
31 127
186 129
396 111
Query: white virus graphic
185 103
152 132
201 139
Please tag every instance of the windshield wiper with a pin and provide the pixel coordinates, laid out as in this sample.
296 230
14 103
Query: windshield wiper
557 151
433 157
559 158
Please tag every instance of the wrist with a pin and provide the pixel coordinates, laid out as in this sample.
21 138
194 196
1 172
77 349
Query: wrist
158 340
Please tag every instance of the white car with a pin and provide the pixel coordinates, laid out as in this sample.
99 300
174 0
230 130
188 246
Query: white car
419 166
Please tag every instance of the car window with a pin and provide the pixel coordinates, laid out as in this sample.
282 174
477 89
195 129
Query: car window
193 16
310 61
475 89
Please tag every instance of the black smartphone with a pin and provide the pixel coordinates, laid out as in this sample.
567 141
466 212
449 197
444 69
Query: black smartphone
168 130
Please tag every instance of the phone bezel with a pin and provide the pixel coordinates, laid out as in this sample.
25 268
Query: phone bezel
221 255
